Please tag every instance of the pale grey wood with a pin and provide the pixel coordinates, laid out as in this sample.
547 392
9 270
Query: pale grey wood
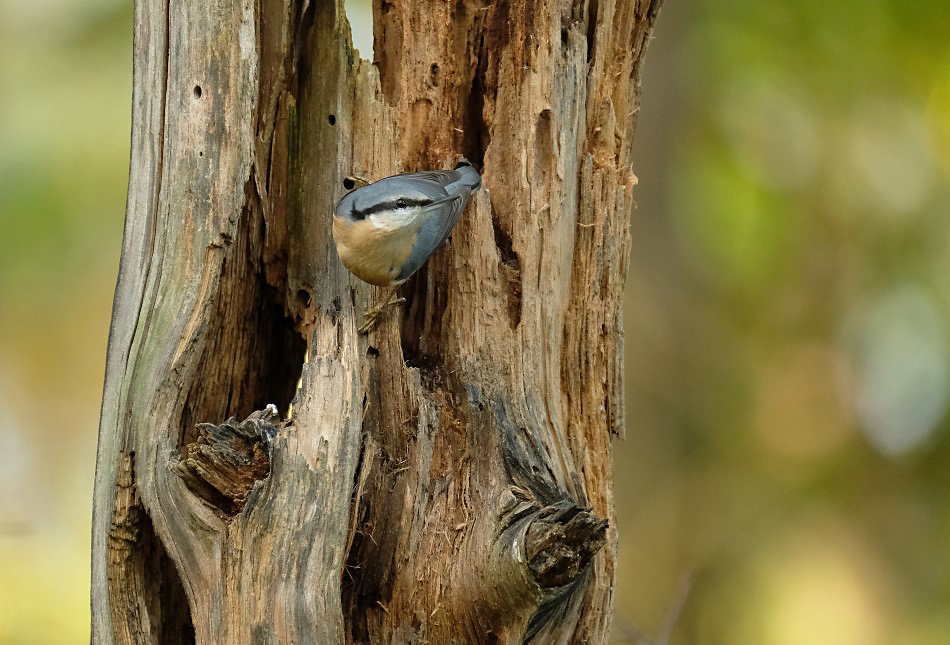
444 479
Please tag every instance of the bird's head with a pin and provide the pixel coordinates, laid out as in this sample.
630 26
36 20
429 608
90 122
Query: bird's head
391 204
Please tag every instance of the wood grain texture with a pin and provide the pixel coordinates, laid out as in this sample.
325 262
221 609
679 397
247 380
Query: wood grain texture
445 479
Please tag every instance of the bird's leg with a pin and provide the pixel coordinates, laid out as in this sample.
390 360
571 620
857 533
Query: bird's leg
372 316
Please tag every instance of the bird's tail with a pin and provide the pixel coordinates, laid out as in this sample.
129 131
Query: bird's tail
469 177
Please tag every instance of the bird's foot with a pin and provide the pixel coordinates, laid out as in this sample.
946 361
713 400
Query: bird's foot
372 316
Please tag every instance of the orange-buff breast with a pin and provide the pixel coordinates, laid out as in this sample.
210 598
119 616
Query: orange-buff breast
374 255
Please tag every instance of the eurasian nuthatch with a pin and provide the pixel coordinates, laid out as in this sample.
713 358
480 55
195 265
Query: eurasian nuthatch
386 230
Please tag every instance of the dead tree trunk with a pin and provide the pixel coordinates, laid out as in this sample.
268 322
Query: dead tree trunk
446 479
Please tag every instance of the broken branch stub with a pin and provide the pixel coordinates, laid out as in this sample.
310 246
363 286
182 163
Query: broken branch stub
561 542
225 462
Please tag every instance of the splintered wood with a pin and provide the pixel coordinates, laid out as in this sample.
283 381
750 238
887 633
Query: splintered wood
446 479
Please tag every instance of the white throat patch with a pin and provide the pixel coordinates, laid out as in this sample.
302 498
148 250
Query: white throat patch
392 221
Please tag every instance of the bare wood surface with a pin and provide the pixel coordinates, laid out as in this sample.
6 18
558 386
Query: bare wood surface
445 479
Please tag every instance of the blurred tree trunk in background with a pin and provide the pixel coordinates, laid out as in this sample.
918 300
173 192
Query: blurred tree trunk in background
445 479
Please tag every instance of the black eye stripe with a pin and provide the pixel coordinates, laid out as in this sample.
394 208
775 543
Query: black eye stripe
405 202
388 205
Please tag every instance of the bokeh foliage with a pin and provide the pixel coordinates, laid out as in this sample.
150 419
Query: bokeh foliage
65 88
788 366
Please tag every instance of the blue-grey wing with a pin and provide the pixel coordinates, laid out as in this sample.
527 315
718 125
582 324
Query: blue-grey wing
459 185
441 177
463 175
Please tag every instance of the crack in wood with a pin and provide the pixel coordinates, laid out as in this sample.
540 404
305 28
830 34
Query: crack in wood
510 267
147 587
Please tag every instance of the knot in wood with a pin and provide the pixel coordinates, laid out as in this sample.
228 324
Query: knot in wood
561 542
222 465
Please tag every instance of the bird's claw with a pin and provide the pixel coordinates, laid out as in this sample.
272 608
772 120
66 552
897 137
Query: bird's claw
369 320
372 316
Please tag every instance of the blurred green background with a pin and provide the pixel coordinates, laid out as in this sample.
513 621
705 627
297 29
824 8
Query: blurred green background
788 373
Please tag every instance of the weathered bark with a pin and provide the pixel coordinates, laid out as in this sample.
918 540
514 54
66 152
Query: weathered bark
446 479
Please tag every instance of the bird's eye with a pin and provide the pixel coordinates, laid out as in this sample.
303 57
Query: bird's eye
400 203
